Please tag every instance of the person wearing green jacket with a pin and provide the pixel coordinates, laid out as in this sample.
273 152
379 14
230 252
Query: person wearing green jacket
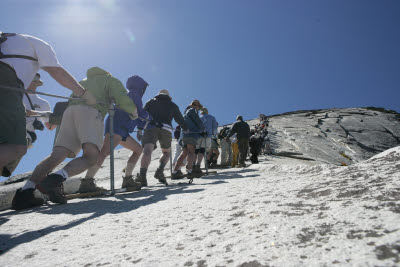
82 127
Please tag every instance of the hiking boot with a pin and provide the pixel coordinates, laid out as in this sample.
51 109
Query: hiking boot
191 175
141 179
241 165
88 185
160 176
213 164
197 171
25 199
178 175
128 182
52 185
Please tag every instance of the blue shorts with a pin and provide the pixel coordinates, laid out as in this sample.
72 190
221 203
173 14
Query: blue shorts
123 125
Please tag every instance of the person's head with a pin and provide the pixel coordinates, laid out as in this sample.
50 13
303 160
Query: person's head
164 92
239 118
196 104
136 83
204 111
36 82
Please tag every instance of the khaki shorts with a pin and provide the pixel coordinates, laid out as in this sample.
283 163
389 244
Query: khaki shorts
80 124
151 136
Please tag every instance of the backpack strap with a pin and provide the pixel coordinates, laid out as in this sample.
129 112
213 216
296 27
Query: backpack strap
3 38
30 101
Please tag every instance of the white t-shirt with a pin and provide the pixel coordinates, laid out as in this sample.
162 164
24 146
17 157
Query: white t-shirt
26 45
40 105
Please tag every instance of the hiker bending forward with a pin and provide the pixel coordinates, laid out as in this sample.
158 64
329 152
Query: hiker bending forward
123 126
162 110
21 56
190 140
82 127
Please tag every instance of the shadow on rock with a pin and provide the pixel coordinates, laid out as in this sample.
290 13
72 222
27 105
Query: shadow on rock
96 207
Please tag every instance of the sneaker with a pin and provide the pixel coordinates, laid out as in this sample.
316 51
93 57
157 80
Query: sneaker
178 175
25 199
128 182
160 176
52 185
141 180
88 185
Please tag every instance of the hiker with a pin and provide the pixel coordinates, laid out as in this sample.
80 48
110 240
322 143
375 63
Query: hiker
256 144
123 126
243 134
178 134
234 150
211 126
226 151
82 127
34 106
162 110
190 140
21 56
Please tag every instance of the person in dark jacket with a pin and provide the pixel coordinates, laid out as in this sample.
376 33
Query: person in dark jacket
123 126
255 143
242 129
190 139
162 110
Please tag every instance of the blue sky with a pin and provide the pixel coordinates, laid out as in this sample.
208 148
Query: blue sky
236 57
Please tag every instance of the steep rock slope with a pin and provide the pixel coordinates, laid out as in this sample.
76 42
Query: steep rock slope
336 136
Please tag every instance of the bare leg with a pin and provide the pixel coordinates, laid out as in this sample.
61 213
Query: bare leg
191 156
200 157
48 164
136 149
181 159
105 151
165 156
146 158
81 164
9 153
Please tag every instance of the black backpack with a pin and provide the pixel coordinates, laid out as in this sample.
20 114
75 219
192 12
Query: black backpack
224 132
3 38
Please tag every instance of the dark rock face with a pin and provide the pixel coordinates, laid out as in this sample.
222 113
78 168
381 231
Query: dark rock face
336 136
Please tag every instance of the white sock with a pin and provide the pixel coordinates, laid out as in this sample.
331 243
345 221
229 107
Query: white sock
63 173
129 169
29 184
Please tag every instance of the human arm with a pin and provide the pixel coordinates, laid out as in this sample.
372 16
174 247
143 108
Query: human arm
65 79
177 115
232 131
122 100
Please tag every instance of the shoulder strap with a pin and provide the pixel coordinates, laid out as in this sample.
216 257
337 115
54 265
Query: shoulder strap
3 38
30 101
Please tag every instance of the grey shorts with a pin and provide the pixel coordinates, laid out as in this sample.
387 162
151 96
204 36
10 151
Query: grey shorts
151 136
188 140
214 144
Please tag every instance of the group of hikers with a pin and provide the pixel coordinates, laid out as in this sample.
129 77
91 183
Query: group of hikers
80 123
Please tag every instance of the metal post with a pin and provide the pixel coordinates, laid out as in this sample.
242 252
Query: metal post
111 112
205 155
170 158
